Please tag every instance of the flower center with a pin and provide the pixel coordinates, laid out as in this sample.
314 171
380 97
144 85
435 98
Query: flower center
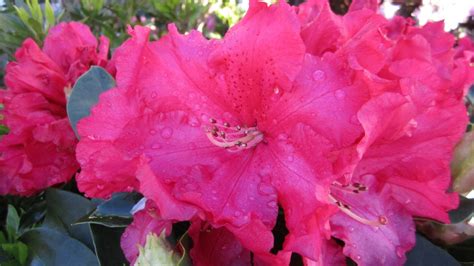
233 138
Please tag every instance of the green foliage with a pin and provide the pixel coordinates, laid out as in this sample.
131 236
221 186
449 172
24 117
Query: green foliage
12 251
30 19
85 93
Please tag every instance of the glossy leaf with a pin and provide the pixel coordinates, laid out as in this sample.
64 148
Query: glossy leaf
464 211
85 93
49 247
64 209
107 245
426 253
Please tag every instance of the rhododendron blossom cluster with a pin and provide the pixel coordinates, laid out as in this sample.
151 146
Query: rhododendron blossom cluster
334 119
39 150
342 125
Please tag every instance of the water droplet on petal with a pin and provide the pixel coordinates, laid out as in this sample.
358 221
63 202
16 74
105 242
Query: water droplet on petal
400 252
340 94
166 133
272 204
194 122
237 213
358 257
156 146
351 229
319 75
153 95
276 90
265 189
291 158
152 131
100 187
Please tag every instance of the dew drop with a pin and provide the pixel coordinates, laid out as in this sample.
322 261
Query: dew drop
251 198
282 137
272 204
358 257
100 187
237 214
153 95
400 252
153 132
351 229
156 146
265 189
319 75
291 158
340 94
194 122
166 133
276 90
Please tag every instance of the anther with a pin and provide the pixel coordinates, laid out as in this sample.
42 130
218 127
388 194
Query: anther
233 138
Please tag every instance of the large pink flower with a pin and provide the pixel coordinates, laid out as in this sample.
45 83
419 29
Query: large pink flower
413 120
341 134
39 150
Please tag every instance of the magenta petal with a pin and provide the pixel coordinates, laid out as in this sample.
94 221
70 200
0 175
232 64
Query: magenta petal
382 243
144 222
216 246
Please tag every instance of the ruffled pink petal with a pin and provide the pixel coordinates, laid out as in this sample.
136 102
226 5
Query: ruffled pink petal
144 222
387 239
216 246
38 152
411 151
73 47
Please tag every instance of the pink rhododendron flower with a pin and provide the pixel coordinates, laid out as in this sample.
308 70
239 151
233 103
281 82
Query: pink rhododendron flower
39 150
343 135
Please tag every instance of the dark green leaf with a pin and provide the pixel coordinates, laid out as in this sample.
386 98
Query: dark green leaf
464 211
85 93
51 248
463 252
109 221
18 251
120 204
114 212
64 209
425 253
13 222
107 245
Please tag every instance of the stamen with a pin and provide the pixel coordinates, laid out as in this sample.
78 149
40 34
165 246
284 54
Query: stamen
381 220
233 138
353 188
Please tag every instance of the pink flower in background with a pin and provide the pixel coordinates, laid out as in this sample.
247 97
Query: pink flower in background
334 119
39 150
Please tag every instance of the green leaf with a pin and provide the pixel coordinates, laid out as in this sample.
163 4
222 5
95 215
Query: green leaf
464 211
18 251
85 93
64 209
49 14
13 222
426 253
48 247
114 212
120 204
107 245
